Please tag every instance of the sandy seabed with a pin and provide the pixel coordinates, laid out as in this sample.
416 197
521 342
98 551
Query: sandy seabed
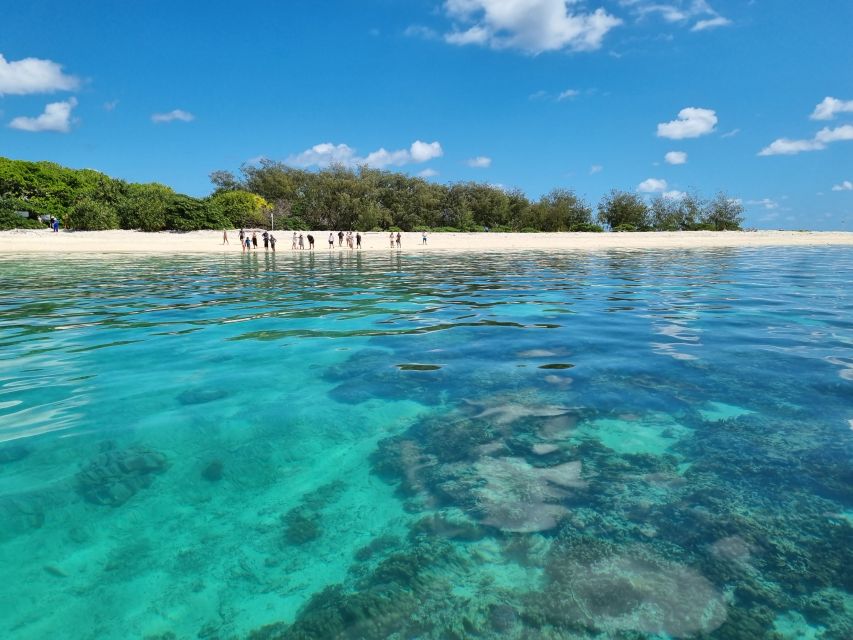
43 241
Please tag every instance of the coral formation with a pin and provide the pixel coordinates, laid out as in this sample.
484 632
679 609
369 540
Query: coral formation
213 471
116 475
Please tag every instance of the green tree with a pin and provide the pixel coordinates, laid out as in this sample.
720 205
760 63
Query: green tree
145 207
88 214
240 208
723 213
623 211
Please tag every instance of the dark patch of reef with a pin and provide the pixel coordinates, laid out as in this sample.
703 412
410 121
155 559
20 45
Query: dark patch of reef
739 523
116 475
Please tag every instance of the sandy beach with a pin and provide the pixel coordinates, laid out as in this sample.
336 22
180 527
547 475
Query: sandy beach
88 242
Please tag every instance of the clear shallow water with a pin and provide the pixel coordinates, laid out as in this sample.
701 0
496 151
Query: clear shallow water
621 445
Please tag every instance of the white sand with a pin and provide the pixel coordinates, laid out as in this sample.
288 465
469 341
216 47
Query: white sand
43 241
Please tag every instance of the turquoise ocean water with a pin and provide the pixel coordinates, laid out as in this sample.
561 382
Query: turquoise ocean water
540 445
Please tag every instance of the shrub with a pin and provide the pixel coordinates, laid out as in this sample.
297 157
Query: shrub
91 215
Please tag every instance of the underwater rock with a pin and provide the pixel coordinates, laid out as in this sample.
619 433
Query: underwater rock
618 589
502 617
13 453
200 396
515 496
301 526
212 471
116 475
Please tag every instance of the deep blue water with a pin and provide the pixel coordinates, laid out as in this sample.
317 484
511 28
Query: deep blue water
524 445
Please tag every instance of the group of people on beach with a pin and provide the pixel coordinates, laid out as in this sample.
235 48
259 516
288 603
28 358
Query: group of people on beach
353 240
247 242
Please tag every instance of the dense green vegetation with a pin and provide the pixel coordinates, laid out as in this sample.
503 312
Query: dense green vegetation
334 198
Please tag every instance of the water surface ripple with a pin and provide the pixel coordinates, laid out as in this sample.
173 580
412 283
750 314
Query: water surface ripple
632 444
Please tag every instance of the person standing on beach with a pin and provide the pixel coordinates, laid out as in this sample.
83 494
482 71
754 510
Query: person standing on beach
266 237
423 237
56 225
358 240
301 242
272 242
310 242
225 236
242 236
255 239
331 240
293 245
398 239
391 239
340 238
247 245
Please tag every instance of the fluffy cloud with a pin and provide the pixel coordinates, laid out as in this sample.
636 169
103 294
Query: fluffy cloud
651 185
428 173
829 107
596 168
784 146
827 135
568 94
480 162
676 157
533 26
846 185
322 155
692 122
171 116
32 75
56 117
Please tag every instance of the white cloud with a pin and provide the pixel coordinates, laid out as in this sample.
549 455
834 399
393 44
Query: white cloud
56 117
480 162
676 157
533 26
171 116
673 195
420 31
731 134
596 168
679 11
784 146
651 185
829 107
428 173
846 185
568 94
766 203
425 151
827 135
111 105
692 122
32 75
711 23
322 155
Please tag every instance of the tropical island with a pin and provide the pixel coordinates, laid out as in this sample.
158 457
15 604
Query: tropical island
273 195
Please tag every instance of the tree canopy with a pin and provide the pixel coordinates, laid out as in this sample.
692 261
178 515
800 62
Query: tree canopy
337 197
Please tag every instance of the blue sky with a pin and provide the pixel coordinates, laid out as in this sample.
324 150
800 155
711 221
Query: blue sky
754 98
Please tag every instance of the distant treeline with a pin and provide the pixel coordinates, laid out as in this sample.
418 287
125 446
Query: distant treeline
335 198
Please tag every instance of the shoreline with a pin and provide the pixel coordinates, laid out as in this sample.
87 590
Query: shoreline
30 241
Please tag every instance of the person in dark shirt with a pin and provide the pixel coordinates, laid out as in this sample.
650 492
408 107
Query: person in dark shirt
340 238
358 240
310 241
